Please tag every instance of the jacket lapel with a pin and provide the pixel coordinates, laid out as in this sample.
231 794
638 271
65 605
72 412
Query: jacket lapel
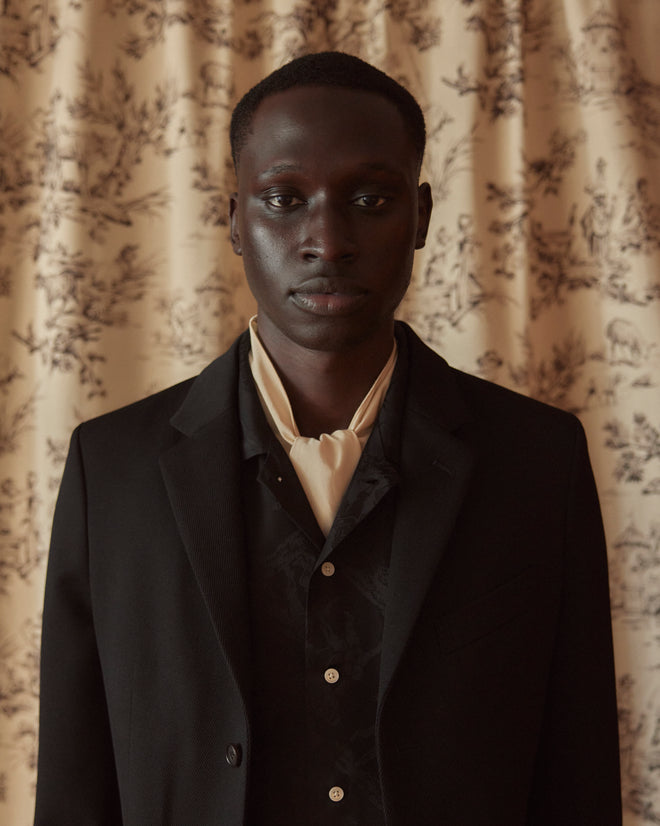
435 467
202 475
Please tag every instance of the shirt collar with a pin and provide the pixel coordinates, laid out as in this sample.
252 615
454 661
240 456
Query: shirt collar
277 407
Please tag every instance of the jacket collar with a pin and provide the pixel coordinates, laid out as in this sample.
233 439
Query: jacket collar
433 392
213 394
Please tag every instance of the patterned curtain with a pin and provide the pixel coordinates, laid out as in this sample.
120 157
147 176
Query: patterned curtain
541 271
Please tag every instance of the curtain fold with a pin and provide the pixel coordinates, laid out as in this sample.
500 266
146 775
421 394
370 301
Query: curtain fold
540 272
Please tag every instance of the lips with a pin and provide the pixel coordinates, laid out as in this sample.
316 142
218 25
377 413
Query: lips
329 296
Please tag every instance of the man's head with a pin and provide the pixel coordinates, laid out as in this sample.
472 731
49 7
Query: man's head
329 210
333 69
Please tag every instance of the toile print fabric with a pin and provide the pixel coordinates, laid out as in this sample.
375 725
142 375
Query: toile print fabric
540 272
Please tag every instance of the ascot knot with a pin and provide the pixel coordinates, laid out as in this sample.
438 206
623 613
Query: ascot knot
322 465
325 465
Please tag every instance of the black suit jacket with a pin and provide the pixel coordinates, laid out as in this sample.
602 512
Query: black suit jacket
496 698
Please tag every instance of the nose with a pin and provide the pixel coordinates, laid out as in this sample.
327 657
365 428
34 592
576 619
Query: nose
328 234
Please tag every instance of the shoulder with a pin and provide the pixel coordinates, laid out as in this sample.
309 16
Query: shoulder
518 446
476 405
518 431
486 398
145 416
155 419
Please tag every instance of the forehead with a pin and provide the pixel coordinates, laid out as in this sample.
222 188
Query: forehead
321 124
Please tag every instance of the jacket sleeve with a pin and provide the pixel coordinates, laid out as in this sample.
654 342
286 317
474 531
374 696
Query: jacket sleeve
577 777
76 781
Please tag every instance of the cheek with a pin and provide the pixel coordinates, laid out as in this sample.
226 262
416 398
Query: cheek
397 237
395 263
266 245
265 265
395 251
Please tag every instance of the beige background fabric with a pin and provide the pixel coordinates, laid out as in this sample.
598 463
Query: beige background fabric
541 271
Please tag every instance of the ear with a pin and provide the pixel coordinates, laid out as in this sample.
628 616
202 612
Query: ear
233 223
424 207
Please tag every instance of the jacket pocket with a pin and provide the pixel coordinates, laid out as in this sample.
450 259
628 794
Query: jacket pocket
491 612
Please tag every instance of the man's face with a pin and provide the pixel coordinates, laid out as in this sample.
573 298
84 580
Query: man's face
327 216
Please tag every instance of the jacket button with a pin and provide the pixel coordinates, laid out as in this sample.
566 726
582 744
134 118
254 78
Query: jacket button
234 754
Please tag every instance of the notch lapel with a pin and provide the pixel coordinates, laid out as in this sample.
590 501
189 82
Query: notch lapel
435 466
202 475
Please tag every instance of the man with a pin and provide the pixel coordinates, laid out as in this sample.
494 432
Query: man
330 580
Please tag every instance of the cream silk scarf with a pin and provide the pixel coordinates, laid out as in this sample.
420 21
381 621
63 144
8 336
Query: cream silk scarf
324 466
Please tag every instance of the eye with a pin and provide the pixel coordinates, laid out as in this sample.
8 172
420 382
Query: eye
370 201
283 201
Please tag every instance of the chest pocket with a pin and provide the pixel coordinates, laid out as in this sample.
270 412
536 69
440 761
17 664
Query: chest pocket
486 615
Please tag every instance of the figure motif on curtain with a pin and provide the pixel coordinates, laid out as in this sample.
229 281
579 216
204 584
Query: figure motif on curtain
641 220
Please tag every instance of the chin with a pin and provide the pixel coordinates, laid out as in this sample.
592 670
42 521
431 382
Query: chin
340 335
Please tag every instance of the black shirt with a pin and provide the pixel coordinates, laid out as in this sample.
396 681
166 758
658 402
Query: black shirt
317 608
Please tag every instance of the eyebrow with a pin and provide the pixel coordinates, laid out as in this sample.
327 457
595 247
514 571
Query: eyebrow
288 166
379 166
279 168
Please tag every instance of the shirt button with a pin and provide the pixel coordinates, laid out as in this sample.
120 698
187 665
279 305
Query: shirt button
336 793
331 675
327 569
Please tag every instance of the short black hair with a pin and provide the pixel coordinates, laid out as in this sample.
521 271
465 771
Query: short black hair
327 69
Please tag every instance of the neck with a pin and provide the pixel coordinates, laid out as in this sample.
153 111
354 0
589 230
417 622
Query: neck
326 388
